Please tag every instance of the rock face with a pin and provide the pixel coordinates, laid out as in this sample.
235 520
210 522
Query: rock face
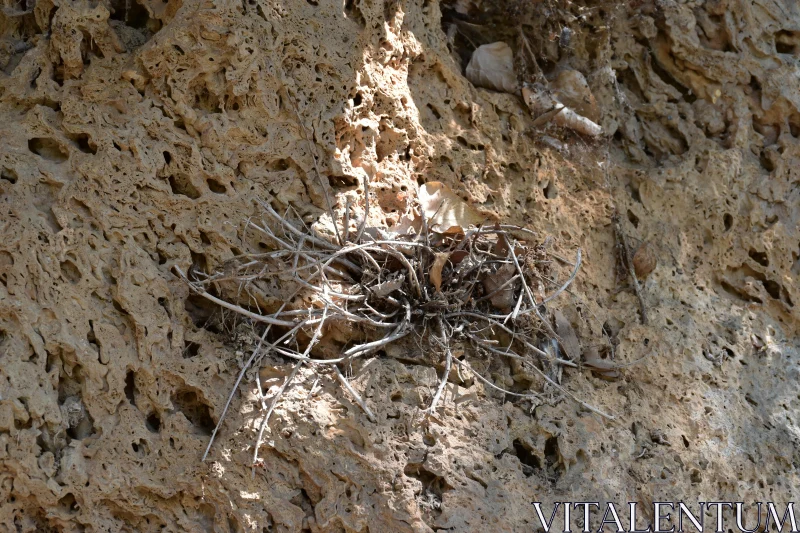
139 135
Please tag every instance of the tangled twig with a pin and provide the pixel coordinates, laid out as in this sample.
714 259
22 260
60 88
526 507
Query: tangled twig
474 288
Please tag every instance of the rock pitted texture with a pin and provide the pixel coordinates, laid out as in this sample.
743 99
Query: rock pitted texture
139 135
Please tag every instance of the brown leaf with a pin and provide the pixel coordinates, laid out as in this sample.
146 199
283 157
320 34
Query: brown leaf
445 211
644 260
572 90
504 298
436 269
569 339
501 247
457 256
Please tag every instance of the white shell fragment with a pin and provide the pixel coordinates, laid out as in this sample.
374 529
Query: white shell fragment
492 67
542 103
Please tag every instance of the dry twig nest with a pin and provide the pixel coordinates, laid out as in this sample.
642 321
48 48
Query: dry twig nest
436 276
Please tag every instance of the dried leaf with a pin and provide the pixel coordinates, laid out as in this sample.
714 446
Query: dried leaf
501 247
408 224
644 260
445 211
382 290
572 90
504 298
457 256
492 67
436 269
569 339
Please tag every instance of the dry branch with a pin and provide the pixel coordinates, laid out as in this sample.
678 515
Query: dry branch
387 288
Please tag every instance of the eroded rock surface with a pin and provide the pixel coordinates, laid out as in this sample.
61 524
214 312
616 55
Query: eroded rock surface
138 136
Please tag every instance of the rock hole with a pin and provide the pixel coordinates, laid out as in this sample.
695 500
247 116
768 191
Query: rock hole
19 425
215 186
731 353
130 387
183 186
733 291
58 74
766 162
48 149
685 441
202 313
153 423
530 463
659 71
195 411
162 301
118 306
634 192
727 221
759 257
199 262
352 11
431 483
396 397
85 144
131 13
140 448
552 456
190 349
794 125
339 182
278 165
68 503
550 190
772 288
9 175
91 338
167 158
749 399
633 219
70 271
786 42
357 99
6 262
